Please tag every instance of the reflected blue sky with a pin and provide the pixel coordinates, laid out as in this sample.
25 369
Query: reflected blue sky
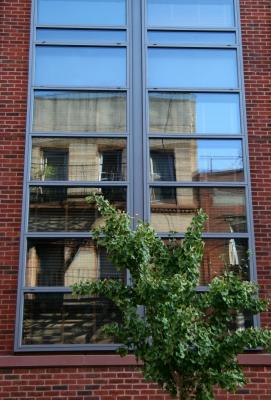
80 66
215 113
219 155
172 37
194 13
195 68
211 155
81 35
82 12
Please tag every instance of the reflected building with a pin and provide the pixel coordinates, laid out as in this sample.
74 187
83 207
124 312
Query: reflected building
224 254
79 159
54 317
172 113
192 160
78 111
61 208
172 160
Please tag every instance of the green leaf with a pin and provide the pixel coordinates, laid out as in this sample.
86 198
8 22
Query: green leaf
186 340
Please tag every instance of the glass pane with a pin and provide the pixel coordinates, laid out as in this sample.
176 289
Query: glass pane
206 113
65 208
57 318
80 66
75 111
195 68
224 254
63 262
80 35
172 209
198 13
171 37
82 159
221 255
184 160
82 12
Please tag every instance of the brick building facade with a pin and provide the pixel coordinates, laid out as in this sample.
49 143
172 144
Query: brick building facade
88 375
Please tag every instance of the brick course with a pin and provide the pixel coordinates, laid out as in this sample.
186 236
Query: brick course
126 383
108 383
77 383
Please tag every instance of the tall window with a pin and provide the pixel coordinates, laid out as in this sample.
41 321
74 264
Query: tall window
142 102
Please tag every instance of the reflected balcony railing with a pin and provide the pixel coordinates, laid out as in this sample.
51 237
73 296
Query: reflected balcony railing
78 172
211 164
206 167
54 275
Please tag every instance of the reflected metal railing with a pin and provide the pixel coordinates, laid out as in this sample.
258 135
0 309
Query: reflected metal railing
78 172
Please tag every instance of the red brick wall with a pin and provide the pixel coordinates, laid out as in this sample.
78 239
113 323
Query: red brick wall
107 384
14 44
77 384
256 35
118 382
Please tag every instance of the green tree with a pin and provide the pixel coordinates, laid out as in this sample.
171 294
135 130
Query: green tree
186 340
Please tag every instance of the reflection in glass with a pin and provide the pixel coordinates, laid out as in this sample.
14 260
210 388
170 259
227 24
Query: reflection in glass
173 37
79 111
206 113
80 66
82 12
63 262
65 208
80 35
185 160
224 255
221 255
58 318
172 209
192 68
78 159
194 13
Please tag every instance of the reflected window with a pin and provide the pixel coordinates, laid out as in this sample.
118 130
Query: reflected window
163 198
63 262
185 160
78 159
111 166
162 166
55 165
106 269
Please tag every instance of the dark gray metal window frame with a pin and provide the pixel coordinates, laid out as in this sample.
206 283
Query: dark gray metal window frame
28 183
243 134
137 136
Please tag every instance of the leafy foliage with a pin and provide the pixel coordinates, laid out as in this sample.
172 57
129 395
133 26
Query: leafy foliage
186 339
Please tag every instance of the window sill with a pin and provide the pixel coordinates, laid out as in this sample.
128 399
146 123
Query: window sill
32 361
19 361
